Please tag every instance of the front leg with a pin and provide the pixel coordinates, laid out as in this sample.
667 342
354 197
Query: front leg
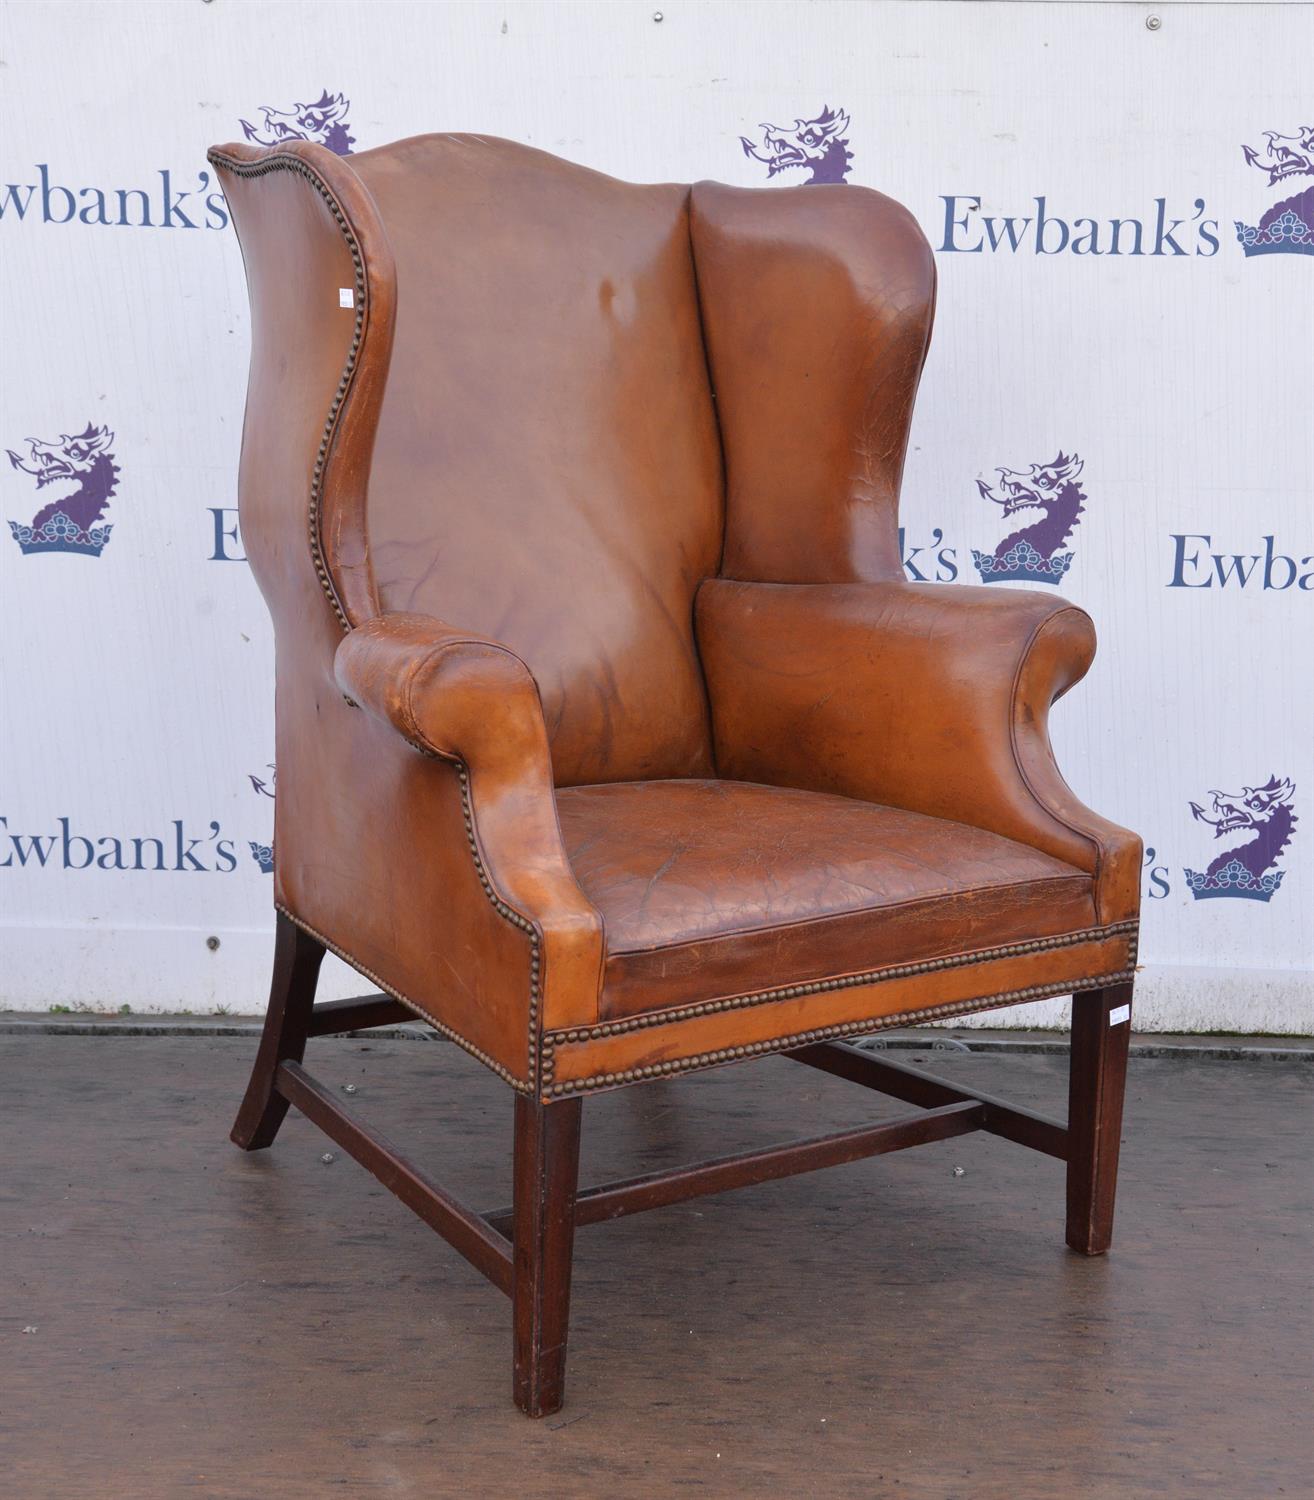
546 1177
1101 1030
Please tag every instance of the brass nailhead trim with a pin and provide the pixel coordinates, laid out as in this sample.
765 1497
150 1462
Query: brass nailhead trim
847 981
518 1084
821 1034
295 164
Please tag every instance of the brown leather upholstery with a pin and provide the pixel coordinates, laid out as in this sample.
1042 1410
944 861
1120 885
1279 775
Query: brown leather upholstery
608 764
702 882
548 418
817 309
931 698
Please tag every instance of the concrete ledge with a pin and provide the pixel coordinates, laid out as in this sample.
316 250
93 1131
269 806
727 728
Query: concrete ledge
913 1039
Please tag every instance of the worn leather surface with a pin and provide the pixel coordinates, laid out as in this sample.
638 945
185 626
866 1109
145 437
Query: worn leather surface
547 467
817 305
468 700
711 1033
929 698
704 884
371 845
485 505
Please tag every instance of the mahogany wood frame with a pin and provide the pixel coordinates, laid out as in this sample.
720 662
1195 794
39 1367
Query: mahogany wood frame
526 1249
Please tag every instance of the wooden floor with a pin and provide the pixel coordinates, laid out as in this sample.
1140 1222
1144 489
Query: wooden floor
180 1319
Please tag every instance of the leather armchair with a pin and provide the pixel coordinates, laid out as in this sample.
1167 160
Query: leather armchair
611 740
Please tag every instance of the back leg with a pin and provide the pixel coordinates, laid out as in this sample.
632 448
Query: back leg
297 957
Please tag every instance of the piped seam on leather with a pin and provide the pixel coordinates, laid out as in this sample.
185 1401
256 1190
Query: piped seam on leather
843 981
331 422
520 1085
1017 759
822 1034
506 912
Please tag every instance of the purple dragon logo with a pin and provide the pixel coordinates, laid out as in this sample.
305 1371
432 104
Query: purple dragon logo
1246 869
819 145
1288 227
71 523
263 854
324 121
1033 551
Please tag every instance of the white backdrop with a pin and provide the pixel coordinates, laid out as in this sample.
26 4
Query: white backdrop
1163 367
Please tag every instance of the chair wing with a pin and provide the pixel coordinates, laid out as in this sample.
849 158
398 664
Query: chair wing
817 304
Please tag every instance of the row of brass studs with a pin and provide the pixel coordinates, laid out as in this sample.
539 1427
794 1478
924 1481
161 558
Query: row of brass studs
511 915
847 981
295 164
454 1036
821 1034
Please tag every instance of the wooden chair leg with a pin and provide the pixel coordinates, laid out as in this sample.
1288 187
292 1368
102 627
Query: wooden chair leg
297 958
1101 1030
546 1177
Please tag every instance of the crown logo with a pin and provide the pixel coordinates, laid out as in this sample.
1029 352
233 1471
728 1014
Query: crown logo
1245 870
1288 227
1033 552
73 522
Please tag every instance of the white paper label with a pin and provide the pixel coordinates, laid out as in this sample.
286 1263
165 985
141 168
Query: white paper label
346 297
1117 1017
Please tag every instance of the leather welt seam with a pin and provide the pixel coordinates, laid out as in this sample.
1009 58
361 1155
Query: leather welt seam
332 421
841 982
519 1084
507 913
818 1034
1096 845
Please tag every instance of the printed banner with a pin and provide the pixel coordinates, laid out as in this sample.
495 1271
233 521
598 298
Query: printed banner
1116 407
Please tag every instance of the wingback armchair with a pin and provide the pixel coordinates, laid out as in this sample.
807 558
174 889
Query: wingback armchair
611 739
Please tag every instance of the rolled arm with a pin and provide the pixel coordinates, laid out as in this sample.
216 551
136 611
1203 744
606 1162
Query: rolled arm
466 699
931 698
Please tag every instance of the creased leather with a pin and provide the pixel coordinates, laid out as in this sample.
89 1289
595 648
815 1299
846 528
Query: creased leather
371 849
703 885
513 430
926 697
468 699
548 468
817 305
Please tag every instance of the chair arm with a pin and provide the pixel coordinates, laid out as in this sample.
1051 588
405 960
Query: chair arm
465 699
926 697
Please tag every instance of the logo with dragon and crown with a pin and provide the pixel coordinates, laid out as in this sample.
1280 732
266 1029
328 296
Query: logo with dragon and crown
1034 552
324 121
1264 818
72 522
1288 227
263 854
819 145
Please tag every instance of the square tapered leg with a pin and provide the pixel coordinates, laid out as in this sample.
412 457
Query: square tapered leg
546 1177
1101 1030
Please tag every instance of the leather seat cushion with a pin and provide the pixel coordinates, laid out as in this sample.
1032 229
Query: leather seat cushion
717 888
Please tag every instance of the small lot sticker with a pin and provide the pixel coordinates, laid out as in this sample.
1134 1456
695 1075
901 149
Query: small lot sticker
346 296
1117 1017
